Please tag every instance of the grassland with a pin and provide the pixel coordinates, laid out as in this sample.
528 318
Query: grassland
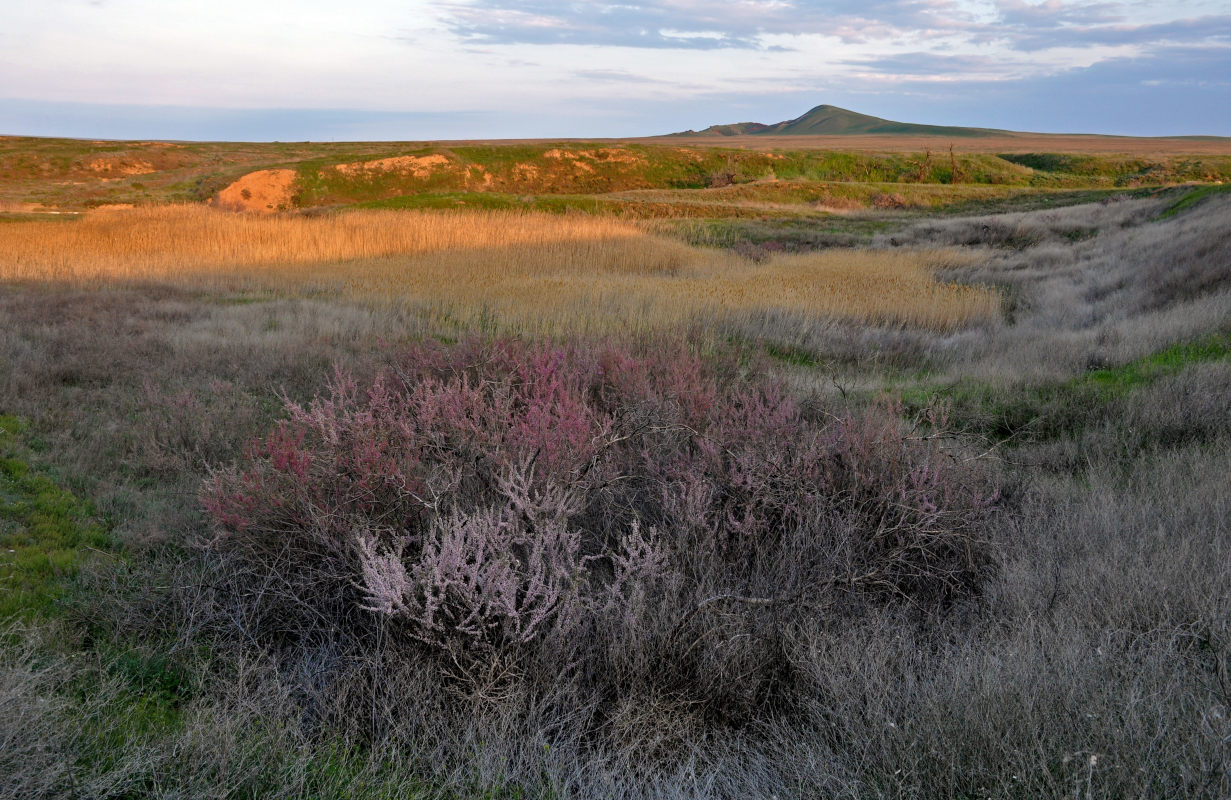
519 270
926 480
72 175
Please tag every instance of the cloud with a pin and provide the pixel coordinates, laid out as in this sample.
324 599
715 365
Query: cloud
1031 32
615 76
498 22
1053 13
613 68
692 24
930 65
1015 25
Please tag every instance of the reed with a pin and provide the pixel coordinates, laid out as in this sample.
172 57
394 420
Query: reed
519 270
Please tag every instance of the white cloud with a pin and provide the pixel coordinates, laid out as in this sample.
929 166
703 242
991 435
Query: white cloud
555 59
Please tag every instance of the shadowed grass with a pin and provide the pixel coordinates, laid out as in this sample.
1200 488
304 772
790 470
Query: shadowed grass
44 533
1194 197
1022 414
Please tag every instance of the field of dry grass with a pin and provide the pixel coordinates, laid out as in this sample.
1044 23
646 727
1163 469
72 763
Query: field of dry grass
567 273
799 398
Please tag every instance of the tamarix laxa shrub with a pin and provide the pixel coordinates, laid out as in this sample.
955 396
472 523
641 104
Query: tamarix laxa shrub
595 508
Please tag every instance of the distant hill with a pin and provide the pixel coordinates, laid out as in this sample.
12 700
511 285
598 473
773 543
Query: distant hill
825 120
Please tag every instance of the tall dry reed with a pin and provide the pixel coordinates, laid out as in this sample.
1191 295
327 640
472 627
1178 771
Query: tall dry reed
541 271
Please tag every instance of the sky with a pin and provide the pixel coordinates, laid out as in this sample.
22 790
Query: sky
259 70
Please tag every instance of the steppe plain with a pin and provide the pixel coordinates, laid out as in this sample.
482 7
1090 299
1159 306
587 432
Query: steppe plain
863 466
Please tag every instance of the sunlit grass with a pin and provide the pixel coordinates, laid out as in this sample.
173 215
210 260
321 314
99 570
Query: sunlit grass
525 270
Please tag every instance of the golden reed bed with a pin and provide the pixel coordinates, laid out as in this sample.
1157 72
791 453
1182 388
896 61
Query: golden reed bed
523 269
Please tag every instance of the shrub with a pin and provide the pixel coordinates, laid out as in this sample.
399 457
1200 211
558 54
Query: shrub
642 521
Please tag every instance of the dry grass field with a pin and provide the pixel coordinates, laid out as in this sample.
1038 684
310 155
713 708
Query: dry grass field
878 489
521 270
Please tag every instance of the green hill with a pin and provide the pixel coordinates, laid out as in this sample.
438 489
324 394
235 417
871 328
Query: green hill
825 120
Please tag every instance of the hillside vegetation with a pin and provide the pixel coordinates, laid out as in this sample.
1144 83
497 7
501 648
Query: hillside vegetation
47 174
778 488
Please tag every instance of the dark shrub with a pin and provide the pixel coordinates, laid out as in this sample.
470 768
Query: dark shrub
650 522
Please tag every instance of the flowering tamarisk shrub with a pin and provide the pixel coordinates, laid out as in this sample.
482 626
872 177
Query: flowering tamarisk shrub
651 516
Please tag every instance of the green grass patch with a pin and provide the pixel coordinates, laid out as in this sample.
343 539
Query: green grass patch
792 356
45 532
1194 197
488 201
1060 409
1123 170
788 234
1116 381
494 201
35 216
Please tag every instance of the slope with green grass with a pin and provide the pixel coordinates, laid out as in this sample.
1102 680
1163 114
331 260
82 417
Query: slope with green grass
40 175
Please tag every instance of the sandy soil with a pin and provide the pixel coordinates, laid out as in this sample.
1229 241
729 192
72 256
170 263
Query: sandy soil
265 191
116 165
418 166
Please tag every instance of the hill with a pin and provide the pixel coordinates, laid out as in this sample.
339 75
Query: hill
826 120
41 175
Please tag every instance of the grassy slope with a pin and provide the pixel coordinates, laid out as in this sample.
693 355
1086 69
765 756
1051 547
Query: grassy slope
77 174
1193 197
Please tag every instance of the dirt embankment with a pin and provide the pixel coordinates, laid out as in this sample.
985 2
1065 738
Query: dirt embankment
143 158
119 166
416 166
264 191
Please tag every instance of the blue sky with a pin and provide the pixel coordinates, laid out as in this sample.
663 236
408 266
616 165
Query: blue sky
427 69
